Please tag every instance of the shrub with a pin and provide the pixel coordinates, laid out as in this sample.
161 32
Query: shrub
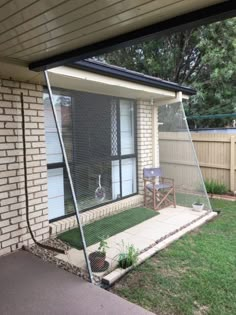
128 256
213 187
103 246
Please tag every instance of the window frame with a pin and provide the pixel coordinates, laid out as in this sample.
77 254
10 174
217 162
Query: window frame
119 157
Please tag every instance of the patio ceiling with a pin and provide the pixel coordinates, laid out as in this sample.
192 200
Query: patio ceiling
44 34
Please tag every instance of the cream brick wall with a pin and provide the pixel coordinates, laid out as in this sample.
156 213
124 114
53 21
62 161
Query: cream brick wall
13 227
145 138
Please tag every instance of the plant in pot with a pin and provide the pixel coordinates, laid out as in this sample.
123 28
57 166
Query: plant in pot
98 258
198 205
128 256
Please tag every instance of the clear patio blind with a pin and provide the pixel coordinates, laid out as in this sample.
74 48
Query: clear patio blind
178 159
101 135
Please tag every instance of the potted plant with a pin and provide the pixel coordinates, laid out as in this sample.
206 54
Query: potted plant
128 256
98 258
198 205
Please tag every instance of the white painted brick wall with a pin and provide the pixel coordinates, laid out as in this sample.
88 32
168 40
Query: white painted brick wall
13 230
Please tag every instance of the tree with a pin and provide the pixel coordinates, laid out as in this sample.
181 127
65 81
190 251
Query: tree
203 58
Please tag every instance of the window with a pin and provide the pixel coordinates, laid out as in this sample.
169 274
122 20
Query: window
56 167
124 163
99 136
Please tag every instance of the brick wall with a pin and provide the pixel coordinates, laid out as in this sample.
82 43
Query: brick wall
13 228
145 138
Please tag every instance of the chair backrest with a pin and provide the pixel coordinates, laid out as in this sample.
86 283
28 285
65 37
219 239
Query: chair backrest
151 172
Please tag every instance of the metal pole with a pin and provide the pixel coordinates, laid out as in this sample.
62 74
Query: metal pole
69 176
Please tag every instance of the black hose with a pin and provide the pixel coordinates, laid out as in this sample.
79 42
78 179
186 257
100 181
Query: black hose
26 184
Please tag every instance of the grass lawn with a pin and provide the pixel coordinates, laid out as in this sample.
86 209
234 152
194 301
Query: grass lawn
107 227
186 200
195 275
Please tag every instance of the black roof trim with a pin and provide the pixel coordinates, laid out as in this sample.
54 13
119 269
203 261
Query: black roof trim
131 76
213 13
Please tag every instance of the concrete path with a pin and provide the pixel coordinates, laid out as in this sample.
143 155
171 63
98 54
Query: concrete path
141 236
30 286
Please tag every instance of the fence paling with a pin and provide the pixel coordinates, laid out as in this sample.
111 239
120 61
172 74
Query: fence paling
232 163
216 155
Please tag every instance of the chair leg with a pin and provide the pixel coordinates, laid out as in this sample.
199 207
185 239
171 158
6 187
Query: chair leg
145 197
174 196
154 198
165 197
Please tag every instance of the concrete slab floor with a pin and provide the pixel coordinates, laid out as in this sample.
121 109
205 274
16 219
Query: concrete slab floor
142 236
29 286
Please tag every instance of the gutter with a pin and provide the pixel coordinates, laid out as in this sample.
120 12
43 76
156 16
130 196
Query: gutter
131 76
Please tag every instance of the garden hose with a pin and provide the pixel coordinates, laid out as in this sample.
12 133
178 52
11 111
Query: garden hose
61 251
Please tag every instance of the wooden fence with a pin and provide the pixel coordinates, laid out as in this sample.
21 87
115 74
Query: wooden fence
216 155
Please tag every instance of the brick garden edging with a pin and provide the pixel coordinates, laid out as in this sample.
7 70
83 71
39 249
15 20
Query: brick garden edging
222 197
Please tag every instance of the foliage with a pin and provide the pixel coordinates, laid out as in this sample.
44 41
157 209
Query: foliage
194 275
128 256
213 187
103 246
198 202
203 57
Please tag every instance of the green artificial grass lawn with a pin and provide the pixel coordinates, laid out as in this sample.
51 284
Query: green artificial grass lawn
194 276
107 227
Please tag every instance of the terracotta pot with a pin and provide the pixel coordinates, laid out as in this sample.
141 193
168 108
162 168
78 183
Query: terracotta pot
97 260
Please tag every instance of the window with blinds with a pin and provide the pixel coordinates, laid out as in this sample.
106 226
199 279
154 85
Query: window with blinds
99 134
